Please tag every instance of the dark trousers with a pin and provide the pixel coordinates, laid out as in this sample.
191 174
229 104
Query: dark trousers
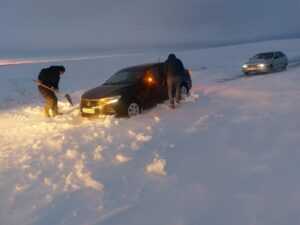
173 83
50 98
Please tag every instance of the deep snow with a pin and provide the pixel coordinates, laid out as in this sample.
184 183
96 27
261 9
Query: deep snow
227 155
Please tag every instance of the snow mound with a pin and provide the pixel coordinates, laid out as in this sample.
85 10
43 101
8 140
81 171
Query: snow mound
122 158
157 166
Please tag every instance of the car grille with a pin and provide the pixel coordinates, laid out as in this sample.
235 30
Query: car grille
88 103
253 67
96 107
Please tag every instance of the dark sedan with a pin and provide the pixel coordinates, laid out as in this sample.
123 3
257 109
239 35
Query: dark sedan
129 91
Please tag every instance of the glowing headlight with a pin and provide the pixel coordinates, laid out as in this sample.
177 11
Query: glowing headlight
262 66
245 66
110 100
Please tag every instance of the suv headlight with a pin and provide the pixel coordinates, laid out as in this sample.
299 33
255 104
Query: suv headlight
110 100
262 66
245 66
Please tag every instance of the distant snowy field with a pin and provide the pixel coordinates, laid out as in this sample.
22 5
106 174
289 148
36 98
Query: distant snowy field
228 155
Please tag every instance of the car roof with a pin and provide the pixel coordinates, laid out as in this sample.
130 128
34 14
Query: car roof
141 67
273 52
262 53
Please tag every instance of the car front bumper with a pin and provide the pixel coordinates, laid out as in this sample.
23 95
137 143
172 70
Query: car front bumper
92 108
256 69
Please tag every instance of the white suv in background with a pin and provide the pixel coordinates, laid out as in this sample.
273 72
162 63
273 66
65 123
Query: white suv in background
265 63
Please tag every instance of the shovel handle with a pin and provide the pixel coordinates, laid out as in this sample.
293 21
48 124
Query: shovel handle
67 96
39 83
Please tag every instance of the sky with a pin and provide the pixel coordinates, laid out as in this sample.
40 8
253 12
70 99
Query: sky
62 25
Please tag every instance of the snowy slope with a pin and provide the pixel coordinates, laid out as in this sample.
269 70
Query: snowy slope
227 155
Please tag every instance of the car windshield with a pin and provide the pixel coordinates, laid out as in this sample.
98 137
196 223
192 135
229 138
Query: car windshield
123 77
264 56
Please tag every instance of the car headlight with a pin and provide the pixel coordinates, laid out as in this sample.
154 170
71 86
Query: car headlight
110 100
261 66
245 66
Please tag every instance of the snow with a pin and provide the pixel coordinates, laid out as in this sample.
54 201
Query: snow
227 155
157 166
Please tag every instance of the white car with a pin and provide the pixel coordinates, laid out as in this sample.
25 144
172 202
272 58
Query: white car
265 63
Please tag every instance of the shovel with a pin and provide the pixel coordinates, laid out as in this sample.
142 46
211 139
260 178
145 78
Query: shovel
67 96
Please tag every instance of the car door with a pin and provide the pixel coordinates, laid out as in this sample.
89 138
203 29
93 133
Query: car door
283 60
149 86
278 61
162 86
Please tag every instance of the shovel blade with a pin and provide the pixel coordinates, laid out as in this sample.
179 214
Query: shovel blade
69 99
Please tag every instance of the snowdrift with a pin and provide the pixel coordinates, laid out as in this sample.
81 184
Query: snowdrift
227 155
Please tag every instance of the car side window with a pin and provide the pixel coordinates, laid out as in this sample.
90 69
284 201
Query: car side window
277 55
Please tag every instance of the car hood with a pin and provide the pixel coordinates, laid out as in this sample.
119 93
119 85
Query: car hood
105 91
259 61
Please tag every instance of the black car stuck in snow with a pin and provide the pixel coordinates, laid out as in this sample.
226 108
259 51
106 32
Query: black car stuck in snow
130 90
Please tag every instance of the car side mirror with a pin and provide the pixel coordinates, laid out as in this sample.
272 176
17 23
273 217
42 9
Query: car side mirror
149 78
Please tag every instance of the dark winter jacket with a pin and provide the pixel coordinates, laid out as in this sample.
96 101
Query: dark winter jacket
50 76
173 67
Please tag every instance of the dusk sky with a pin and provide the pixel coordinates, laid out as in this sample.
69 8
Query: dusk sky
105 24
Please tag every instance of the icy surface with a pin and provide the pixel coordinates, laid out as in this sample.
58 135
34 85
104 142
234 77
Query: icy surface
227 155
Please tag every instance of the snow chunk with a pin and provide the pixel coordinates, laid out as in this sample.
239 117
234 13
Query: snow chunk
143 138
21 188
157 119
71 154
81 177
69 184
140 137
47 181
98 153
86 178
122 158
157 166
34 175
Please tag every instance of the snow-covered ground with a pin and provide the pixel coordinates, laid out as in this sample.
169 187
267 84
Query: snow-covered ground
227 155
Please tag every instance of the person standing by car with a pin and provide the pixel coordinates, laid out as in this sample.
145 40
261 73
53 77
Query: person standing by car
173 71
48 81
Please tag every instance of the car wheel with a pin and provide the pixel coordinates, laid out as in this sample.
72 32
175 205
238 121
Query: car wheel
285 67
133 109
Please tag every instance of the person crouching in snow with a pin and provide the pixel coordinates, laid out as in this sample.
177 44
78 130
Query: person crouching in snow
173 70
48 81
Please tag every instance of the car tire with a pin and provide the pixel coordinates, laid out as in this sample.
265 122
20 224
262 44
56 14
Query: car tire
133 109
